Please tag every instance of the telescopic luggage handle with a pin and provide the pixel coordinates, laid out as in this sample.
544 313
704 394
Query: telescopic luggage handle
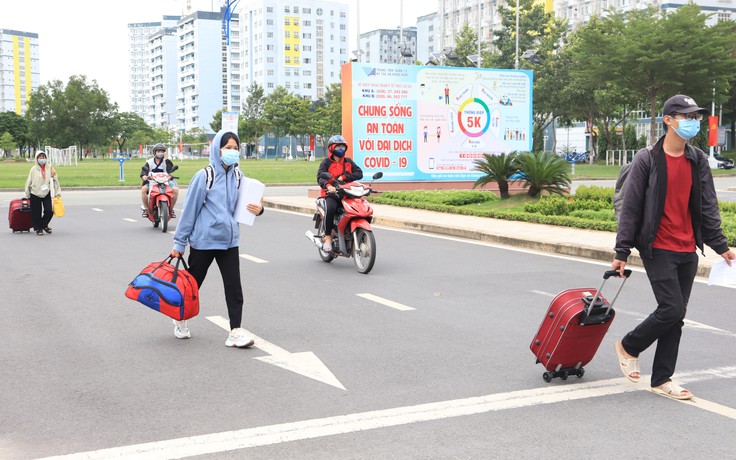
606 275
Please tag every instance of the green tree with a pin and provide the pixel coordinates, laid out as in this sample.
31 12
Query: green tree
328 113
124 125
79 113
498 169
276 118
544 172
655 46
6 143
466 43
251 124
302 125
17 126
216 123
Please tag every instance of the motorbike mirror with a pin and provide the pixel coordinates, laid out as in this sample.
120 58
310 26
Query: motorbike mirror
377 175
174 168
325 175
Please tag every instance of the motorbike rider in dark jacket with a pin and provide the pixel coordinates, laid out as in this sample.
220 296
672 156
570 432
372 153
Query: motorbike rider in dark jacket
158 163
342 169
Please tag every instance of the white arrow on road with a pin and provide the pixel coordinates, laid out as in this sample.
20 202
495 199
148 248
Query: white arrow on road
305 363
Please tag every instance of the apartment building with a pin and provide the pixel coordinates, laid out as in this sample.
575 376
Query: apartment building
163 67
391 46
298 45
19 69
206 80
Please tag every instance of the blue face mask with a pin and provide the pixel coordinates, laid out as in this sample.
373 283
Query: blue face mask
230 157
687 129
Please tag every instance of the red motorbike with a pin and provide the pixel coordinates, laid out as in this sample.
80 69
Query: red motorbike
159 199
352 235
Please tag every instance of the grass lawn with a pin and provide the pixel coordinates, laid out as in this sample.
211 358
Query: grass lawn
98 172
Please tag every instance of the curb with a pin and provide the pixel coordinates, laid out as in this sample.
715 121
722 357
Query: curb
566 249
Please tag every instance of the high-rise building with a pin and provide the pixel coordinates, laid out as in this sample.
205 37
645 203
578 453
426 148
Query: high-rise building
19 69
428 31
163 66
580 11
389 46
139 65
298 45
182 70
208 67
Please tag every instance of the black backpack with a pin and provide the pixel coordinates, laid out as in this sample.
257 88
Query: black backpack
620 188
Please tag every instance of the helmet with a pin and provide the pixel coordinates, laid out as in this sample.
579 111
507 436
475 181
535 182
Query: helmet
159 146
334 146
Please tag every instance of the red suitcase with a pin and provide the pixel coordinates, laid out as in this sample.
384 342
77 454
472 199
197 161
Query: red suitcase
19 215
571 331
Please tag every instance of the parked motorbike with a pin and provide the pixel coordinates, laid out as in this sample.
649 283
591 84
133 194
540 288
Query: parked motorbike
159 198
352 235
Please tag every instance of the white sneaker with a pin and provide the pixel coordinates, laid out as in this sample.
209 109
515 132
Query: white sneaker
181 330
238 338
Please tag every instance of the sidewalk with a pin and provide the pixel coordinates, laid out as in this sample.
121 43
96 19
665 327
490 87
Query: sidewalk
589 244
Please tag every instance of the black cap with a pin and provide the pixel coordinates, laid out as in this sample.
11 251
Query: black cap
680 103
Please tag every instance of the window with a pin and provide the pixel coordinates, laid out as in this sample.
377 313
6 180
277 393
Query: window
287 47
269 9
286 9
307 10
296 10
307 23
319 11
287 21
287 59
287 34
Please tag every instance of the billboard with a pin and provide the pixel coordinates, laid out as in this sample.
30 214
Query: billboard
418 123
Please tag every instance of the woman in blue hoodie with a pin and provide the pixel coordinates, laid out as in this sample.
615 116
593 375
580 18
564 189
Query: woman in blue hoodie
207 225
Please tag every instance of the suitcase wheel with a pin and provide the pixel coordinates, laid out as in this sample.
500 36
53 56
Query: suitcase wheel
547 376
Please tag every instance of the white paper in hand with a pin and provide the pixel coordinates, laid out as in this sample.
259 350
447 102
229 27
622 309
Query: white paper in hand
723 275
251 191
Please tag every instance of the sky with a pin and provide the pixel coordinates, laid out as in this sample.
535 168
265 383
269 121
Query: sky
90 37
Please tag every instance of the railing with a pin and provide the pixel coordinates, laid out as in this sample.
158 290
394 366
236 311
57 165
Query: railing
619 157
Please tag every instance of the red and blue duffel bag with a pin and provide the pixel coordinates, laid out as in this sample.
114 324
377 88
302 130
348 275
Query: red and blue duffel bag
166 288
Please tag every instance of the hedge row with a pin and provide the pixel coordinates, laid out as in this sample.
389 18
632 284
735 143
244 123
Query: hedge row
591 210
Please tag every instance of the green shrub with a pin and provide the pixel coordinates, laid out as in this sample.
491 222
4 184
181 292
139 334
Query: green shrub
446 197
594 192
603 214
549 205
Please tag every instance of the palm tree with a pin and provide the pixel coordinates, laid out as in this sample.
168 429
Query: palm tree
544 171
497 168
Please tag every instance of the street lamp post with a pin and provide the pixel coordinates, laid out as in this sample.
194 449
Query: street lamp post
479 34
516 59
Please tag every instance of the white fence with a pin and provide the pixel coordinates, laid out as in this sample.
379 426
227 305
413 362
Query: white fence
619 157
62 157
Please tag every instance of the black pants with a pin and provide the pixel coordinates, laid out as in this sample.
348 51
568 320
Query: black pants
671 275
38 205
332 204
228 261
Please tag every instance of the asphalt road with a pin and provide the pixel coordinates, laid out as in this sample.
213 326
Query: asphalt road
440 368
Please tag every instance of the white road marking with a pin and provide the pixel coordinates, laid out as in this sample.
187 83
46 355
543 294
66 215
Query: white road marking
128 219
98 209
362 421
548 294
253 259
386 302
304 363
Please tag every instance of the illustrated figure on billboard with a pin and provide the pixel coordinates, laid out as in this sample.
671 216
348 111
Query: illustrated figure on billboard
447 95
425 133
439 132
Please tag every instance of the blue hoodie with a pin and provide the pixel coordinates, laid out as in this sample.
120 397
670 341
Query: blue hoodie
207 221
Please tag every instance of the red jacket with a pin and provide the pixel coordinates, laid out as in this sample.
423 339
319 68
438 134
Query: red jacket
346 168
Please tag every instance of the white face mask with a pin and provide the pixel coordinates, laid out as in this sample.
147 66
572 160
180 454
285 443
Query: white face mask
159 154
42 161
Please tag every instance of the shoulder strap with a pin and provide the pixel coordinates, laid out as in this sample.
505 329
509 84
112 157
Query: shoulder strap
209 173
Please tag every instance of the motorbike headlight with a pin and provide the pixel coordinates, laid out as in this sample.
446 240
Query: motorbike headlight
357 191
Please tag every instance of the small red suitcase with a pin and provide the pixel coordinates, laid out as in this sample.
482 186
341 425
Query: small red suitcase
571 331
19 215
